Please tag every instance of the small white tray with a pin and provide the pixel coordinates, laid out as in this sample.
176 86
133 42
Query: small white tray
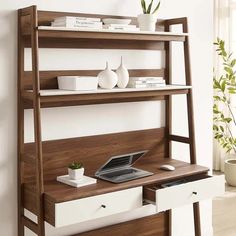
86 180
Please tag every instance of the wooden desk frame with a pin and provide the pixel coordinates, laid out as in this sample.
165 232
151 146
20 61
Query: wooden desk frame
31 156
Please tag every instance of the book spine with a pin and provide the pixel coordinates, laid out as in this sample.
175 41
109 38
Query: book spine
78 23
71 18
120 25
121 28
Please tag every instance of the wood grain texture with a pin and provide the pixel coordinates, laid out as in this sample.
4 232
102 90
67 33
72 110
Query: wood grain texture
93 151
101 98
37 125
148 226
97 44
20 128
48 79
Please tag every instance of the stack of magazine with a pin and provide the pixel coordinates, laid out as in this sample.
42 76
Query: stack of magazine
146 82
77 22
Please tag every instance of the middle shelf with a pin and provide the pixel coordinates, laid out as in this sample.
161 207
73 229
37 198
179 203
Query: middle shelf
57 98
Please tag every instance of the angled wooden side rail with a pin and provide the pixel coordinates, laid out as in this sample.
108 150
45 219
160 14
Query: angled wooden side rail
191 129
38 190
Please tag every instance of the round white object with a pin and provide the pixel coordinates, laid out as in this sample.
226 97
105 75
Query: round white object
123 75
230 172
147 22
107 79
108 21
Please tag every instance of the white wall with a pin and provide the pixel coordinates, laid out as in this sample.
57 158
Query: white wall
79 121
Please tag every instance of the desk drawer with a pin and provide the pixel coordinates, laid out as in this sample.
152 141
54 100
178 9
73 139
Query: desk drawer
193 190
85 209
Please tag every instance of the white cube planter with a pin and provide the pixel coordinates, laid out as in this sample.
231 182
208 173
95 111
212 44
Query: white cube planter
230 171
147 22
76 174
77 83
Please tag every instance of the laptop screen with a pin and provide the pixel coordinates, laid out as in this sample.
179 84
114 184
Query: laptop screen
121 161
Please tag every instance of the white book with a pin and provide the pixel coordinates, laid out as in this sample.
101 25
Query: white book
146 78
136 86
67 23
147 81
86 180
145 85
79 27
120 25
78 18
121 28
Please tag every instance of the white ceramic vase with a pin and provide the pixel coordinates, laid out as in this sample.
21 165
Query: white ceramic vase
107 79
76 174
123 75
147 22
230 171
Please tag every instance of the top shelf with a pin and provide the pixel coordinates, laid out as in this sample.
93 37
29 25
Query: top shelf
61 37
63 32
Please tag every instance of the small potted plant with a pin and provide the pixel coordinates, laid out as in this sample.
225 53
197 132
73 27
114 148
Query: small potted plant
76 170
147 20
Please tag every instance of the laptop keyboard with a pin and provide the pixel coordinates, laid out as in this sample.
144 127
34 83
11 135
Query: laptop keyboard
122 173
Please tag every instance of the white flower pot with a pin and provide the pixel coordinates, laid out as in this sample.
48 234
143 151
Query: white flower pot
76 174
147 22
230 171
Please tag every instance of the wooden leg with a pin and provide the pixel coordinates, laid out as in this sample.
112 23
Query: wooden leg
169 220
21 227
197 222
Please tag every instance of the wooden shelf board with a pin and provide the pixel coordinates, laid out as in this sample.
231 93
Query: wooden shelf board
63 32
58 92
56 192
56 97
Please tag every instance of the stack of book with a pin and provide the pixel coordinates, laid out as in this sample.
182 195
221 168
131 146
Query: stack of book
77 22
122 27
146 82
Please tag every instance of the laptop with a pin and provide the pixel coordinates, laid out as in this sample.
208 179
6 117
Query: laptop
119 169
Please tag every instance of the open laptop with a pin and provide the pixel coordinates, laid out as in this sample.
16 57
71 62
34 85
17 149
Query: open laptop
119 169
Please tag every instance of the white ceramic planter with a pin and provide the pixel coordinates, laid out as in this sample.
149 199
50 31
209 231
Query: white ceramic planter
76 174
147 22
230 171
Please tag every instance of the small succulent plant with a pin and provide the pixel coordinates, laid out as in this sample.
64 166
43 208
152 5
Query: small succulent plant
148 10
75 165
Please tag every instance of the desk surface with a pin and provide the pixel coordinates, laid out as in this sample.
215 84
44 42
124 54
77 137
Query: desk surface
56 192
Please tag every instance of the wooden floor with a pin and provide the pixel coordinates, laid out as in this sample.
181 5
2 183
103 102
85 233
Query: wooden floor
224 213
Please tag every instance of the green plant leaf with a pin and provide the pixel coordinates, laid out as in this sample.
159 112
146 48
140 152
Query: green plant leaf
157 8
143 3
149 7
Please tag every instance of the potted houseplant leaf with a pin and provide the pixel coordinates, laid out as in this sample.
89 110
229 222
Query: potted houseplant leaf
76 170
224 120
147 20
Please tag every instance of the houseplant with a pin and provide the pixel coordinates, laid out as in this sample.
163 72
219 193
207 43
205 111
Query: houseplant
224 120
147 20
76 170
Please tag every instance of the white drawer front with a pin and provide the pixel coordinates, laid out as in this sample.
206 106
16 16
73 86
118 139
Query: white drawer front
191 192
85 209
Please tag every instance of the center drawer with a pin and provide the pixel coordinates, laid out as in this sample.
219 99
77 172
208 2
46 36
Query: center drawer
185 191
85 209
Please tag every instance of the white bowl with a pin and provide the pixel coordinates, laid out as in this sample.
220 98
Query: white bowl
116 21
